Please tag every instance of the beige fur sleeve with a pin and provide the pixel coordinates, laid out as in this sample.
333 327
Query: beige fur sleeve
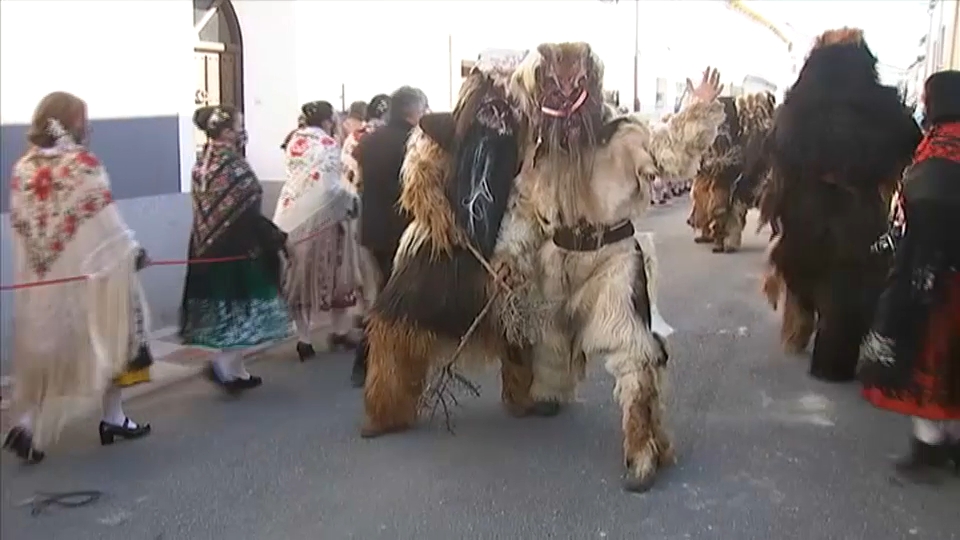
678 145
422 178
518 247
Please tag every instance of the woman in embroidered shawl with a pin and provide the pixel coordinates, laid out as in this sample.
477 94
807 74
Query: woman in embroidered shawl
910 361
376 116
230 305
76 339
315 208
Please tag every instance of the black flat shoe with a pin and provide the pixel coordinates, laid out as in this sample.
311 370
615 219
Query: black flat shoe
342 341
212 375
110 432
923 461
955 457
20 442
305 350
358 375
246 384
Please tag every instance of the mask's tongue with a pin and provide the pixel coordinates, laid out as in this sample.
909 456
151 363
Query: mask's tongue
566 111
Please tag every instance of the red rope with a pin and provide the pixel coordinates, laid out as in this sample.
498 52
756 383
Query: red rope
163 262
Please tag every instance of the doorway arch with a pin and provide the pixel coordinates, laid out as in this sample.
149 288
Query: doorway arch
218 56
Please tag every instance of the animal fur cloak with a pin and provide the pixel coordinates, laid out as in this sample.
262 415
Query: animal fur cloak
458 177
732 172
588 175
838 147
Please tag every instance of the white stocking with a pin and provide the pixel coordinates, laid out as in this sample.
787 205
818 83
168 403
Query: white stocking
240 366
26 421
303 330
341 322
223 365
113 408
928 431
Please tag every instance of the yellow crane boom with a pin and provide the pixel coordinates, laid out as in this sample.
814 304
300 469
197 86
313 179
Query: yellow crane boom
740 7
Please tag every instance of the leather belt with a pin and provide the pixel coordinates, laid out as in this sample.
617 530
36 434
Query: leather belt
591 237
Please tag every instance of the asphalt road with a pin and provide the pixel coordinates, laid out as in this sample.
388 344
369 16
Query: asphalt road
764 452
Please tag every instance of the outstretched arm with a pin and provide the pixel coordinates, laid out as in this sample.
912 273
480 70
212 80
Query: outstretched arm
678 146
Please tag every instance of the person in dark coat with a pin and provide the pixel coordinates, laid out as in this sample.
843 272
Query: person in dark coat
379 157
910 361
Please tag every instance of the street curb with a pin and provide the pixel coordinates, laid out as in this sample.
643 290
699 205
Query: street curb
190 372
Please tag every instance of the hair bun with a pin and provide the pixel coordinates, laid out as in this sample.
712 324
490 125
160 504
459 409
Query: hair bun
202 116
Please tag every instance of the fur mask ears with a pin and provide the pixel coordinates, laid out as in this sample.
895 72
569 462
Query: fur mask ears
840 36
441 128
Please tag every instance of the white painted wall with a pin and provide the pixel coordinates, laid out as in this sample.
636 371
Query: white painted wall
271 103
373 47
125 59
118 56
943 40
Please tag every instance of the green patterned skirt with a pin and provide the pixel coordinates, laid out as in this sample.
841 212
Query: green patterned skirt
232 305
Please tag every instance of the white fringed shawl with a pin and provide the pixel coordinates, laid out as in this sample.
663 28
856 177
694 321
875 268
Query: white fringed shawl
314 199
69 339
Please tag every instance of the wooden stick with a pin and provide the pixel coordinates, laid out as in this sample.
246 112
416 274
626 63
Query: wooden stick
483 262
438 386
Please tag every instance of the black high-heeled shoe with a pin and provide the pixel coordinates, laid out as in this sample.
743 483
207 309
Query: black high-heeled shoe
110 432
305 350
20 442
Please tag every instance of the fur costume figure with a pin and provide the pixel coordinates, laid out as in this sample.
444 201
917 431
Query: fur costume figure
458 177
731 174
589 175
839 145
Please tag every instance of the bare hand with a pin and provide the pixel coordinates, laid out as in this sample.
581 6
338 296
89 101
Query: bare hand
709 87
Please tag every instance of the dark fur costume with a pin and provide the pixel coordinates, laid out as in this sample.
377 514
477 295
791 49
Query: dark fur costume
457 180
732 172
838 147
444 292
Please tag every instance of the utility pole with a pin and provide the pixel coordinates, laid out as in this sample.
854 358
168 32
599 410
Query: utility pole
636 51
636 56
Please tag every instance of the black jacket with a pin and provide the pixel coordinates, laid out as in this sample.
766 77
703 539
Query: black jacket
380 155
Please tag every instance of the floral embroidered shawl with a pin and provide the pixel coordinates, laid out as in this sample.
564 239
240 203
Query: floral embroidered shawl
351 168
313 194
54 192
224 190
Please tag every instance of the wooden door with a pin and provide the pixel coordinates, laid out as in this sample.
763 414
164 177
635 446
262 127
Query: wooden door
229 75
208 90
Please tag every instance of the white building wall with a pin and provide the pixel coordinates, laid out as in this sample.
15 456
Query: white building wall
943 41
121 57
271 98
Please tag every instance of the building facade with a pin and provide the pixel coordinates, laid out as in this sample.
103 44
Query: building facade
943 39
